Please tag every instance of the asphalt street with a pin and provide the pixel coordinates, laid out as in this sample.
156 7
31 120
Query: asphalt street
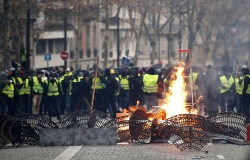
125 151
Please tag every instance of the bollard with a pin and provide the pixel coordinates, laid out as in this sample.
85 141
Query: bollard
248 133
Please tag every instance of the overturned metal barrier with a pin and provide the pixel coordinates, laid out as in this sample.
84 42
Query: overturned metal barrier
190 131
232 124
5 136
87 119
82 128
185 131
123 129
17 132
30 127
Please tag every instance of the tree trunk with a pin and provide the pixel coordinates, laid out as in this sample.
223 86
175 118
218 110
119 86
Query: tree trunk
16 43
170 38
78 40
226 50
191 40
169 49
137 50
6 47
153 53
105 63
137 33
78 44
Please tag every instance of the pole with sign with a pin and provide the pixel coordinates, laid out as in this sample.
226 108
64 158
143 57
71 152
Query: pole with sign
64 55
125 61
47 57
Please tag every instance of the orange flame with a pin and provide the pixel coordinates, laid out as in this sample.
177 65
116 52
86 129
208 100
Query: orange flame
175 102
125 110
132 109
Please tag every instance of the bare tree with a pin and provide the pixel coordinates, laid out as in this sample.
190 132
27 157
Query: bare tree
225 28
159 17
137 7
5 33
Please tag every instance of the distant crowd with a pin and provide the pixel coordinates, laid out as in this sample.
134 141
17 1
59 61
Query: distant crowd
55 92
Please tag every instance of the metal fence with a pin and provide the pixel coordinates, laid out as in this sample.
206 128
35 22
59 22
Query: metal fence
185 131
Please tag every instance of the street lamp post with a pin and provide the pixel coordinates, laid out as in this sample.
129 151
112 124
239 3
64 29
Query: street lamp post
180 32
118 35
65 36
28 38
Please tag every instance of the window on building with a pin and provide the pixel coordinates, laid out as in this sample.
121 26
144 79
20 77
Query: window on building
51 45
95 52
102 54
94 36
111 54
88 36
162 52
127 53
41 47
88 53
80 54
59 45
71 55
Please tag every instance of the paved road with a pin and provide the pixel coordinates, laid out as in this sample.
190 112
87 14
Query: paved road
153 151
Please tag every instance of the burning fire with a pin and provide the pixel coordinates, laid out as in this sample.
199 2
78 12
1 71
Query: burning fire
175 103
132 109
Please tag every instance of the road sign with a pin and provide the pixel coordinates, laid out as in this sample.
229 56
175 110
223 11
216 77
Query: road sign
47 57
64 55
125 61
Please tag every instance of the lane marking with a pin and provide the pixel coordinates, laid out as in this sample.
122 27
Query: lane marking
68 153
220 156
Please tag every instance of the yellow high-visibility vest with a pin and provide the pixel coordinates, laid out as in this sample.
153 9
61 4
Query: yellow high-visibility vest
117 92
8 90
238 88
67 75
52 89
59 81
25 88
150 83
76 80
248 88
124 83
195 75
37 87
226 83
23 57
99 84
